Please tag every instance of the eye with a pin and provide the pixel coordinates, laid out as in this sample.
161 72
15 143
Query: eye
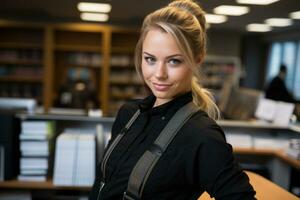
150 60
175 61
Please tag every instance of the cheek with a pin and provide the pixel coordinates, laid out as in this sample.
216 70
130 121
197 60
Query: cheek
181 74
146 70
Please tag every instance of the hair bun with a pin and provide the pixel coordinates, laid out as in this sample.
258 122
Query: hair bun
191 7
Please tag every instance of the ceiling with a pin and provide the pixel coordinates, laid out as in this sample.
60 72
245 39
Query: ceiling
131 12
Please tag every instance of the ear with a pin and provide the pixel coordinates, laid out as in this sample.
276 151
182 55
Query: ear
199 59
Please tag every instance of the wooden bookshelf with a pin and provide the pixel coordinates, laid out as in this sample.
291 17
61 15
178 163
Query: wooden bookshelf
58 43
21 61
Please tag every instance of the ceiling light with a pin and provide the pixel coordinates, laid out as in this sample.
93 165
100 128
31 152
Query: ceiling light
258 28
99 17
231 10
280 22
295 15
215 19
256 2
94 7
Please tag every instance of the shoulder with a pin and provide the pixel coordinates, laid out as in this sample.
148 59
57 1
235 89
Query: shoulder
128 109
201 126
124 114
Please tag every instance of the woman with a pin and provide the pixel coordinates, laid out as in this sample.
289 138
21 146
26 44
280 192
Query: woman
168 53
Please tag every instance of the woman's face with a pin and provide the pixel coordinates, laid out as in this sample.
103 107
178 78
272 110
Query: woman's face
163 67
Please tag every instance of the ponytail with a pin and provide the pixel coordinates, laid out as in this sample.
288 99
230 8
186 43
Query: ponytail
204 99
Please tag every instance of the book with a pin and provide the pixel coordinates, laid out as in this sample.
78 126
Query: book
32 178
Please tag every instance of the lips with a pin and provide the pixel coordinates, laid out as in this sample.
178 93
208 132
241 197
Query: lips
161 87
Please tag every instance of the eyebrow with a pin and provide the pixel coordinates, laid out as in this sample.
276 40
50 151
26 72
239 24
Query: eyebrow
167 56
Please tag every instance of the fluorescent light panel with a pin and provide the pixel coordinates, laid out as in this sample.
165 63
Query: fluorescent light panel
94 7
295 15
231 10
256 2
215 19
258 28
279 22
99 17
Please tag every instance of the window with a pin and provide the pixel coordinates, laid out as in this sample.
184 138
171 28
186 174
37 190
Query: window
287 53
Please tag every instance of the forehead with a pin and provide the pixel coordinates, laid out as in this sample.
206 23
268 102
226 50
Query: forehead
160 42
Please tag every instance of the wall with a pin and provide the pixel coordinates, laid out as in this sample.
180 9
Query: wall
254 57
223 43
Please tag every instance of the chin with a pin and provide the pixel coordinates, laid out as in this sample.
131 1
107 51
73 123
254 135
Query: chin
162 95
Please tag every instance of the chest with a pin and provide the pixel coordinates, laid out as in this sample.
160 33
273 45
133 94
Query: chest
138 139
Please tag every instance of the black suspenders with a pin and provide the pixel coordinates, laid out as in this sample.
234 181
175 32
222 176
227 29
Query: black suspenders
148 160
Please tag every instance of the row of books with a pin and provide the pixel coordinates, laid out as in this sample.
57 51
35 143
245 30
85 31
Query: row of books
35 147
19 55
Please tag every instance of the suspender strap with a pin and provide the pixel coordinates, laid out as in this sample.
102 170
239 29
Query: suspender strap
146 163
116 141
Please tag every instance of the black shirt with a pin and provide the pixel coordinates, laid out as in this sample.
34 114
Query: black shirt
197 160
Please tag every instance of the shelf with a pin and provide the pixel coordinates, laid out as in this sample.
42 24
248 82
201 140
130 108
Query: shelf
122 96
280 154
20 45
66 117
21 62
251 124
121 67
20 78
122 50
47 185
83 65
87 48
114 82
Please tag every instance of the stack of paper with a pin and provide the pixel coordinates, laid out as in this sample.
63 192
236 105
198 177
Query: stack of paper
35 149
276 112
65 155
75 156
294 149
86 154
270 143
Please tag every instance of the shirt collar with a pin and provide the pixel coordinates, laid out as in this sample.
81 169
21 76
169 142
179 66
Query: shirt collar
146 105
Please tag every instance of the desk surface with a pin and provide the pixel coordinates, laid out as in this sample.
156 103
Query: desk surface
280 154
265 189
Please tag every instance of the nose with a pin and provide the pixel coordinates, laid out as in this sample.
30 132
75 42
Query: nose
161 71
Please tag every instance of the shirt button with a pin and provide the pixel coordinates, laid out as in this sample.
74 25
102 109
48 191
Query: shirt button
163 118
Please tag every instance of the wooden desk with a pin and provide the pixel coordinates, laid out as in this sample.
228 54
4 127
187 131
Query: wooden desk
280 154
265 189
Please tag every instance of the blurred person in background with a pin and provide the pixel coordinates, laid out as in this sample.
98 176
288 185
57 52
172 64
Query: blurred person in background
277 90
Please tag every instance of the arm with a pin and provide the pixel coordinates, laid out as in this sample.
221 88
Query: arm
219 174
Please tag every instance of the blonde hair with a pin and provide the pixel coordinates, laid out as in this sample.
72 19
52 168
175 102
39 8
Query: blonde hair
185 21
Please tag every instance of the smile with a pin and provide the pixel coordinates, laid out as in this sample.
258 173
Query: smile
161 87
